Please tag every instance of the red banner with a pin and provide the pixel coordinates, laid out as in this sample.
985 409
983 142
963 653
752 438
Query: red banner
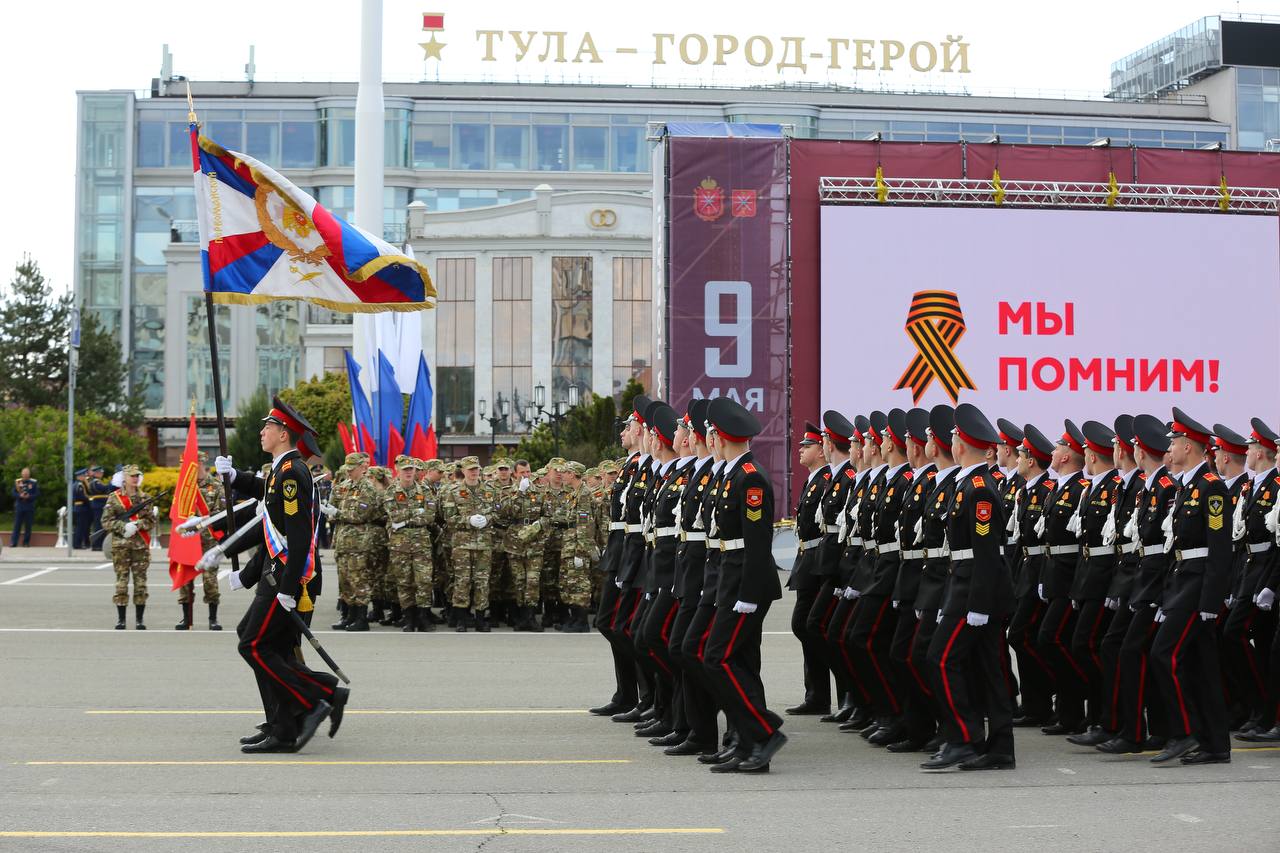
185 551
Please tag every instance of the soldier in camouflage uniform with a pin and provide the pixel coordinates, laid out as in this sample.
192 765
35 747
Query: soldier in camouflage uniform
442 573
411 509
386 608
579 547
130 545
354 507
523 546
467 507
341 483
215 501
502 588
553 497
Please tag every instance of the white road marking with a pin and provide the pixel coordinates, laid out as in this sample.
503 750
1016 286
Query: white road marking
1259 766
103 566
1187 818
1035 826
512 819
71 583
1067 771
30 576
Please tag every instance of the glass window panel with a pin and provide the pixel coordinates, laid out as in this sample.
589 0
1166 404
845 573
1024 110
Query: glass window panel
571 284
910 126
395 139
455 396
1249 75
513 337
179 145
551 148
298 144
199 367
511 147
150 144
632 321
431 146
969 127
899 136
278 335
590 149
630 151
102 287
228 134
471 146
262 140
147 358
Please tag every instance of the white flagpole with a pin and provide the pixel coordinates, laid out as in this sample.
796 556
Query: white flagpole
370 129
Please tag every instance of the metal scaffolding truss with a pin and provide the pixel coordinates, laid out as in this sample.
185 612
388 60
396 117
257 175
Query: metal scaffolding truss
1064 194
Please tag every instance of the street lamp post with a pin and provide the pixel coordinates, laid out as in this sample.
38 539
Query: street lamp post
501 409
558 411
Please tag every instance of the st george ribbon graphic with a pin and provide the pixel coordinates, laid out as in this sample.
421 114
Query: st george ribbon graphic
935 324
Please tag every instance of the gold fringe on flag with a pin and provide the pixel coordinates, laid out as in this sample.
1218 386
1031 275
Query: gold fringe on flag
1113 189
882 189
997 187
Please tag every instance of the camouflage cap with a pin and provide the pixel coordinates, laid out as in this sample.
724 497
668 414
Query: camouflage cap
592 472
201 457
541 472
469 462
575 468
132 471
608 466
558 461
503 463
356 458
380 473
434 465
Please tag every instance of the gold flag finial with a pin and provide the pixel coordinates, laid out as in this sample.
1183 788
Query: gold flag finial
191 105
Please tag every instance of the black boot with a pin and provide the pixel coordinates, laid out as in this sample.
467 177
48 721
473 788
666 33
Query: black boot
425 623
433 617
359 617
393 617
213 617
410 620
451 616
374 613
185 624
482 621
521 622
461 619
138 609
121 609
345 620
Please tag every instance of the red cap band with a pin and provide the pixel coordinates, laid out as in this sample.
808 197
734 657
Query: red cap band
1031 448
973 442
840 441
1187 432
893 436
1265 442
1100 449
1007 440
813 436
1072 443
285 420
732 439
1228 447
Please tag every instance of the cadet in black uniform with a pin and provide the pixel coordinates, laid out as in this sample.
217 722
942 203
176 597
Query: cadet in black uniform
1185 651
748 587
803 581
630 576
967 649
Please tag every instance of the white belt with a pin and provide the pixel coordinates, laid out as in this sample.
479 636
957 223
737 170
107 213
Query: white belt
934 553
962 554
713 543
664 532
1191 554
917 554
831 528
1154 550
1033 550
692 536
617 525
1129 548
732 544
809 543
854 540
887 547
1057 550
633 528
1259 547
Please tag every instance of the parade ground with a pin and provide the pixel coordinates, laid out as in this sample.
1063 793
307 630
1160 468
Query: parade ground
127 740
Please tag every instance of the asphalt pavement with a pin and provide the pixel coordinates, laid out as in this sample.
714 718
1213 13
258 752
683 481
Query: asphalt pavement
127 740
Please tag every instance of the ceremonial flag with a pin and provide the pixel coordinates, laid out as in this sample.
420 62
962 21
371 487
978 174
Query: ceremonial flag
185 551
348 443
395 446
360 405
263 239
418 431
388 407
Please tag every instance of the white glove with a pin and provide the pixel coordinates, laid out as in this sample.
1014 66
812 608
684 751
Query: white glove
578 562
1075 605
895 604
1040 592
851 593
618 584
1230 601
1159 617
976 620
396 525
524 485
1272 520
222 464
744 607
189 526
478 521
329 510
1208 617
234 579
210 560
919 613
286 601
648 596
130 529
1112 604
1265 599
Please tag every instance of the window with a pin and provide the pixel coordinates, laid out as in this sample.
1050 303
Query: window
199 366
630 151
431 146
395 139
570 326
510 147
632 322
179 145
160 215
551 148
335 360
297 144
338 134
590 149
262 140
471 146
228 134
324 317
147 359
278 345
455 282
150 144
512 338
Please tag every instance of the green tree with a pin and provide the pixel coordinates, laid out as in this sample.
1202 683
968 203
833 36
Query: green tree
33 340
244 445
101 375
588 434
325 401
36 438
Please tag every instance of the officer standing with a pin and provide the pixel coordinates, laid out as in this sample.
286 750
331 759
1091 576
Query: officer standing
467 507
353 511
98 489
409 514
81 512
25 492
131 545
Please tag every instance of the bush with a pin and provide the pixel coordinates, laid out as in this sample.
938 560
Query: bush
155 482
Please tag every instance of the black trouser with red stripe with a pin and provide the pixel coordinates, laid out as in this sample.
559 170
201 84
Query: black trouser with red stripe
838 625
653 637
912 682
926 627
817 671
1092 620
267 639
1112 672
700 707
1035 675
1056 631
732 659
1246 655
867 639
609 618
638 606
969 681
1142 710
1185 657
827 617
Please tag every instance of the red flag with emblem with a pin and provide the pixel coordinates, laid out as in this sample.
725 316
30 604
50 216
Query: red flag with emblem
186 551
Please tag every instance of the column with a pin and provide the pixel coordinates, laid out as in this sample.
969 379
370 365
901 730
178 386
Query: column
484 339
542 343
